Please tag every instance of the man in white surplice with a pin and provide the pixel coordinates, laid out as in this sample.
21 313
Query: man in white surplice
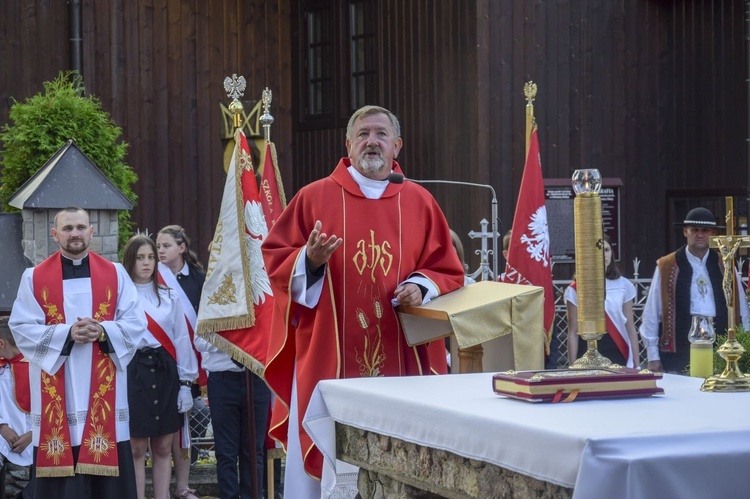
57 326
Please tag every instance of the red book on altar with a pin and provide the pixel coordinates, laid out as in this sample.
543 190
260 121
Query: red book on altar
566 385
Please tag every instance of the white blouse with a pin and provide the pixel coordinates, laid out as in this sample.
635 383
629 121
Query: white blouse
168 313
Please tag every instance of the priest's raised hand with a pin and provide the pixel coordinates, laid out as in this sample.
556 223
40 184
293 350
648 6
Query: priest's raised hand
320 247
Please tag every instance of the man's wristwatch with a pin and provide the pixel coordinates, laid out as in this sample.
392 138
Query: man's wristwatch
103 336
186 383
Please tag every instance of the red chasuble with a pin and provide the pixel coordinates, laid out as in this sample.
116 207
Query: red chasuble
354 330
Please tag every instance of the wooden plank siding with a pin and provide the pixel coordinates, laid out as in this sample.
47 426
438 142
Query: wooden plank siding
158 67
651 91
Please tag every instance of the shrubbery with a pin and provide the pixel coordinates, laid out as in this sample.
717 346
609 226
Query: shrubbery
42 124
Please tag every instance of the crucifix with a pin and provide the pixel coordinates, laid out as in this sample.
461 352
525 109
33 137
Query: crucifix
485 252
732 379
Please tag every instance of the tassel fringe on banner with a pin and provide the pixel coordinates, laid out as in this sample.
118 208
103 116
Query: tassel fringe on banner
209 326
236 353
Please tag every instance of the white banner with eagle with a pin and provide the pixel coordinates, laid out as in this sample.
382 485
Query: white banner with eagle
236 302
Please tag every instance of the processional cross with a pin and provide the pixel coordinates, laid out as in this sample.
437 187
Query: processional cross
485 252
732 379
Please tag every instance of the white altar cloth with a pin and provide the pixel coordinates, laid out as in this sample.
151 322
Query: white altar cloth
683 444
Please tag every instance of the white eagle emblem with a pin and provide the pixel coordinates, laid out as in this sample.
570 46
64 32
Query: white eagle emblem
537 244
255 225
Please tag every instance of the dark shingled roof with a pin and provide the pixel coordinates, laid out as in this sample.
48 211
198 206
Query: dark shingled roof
70 178
14 263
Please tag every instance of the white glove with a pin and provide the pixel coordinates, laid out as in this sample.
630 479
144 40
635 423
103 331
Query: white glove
184 399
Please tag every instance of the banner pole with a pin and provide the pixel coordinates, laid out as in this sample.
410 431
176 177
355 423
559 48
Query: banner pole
529 91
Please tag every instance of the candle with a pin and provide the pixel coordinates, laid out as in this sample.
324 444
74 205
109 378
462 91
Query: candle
701 360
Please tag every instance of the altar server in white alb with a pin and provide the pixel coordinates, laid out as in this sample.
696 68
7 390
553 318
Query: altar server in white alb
15 407
78 321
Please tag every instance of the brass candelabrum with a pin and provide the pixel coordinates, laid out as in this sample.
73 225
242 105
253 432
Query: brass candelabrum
589 244
731 379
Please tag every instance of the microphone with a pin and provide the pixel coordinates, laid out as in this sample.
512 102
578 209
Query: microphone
397 178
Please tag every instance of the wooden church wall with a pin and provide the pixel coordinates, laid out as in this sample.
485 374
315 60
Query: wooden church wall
650 91
427 75
158 67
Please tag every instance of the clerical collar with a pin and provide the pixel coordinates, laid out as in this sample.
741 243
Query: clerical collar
75 269
372 189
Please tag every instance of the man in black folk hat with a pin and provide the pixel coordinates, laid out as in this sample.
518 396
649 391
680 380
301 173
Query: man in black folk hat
687 282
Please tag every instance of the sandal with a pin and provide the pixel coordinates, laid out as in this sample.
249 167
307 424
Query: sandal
185 494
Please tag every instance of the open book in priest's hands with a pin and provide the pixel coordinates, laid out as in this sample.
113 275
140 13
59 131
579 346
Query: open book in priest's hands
567 385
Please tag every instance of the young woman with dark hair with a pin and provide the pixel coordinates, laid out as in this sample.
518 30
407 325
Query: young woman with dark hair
162 371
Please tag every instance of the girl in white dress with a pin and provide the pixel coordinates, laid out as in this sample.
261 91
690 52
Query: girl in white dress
162 371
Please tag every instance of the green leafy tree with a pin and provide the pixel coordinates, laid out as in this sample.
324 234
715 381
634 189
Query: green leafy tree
39 126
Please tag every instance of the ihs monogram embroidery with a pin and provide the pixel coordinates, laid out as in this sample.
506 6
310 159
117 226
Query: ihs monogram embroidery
99 441
372 255
55 443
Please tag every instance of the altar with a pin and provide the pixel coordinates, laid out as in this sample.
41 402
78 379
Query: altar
683 444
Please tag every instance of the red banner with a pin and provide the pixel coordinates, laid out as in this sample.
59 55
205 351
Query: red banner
528 253
271 191
236 302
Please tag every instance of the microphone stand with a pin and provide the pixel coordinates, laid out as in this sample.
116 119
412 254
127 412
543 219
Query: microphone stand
495 233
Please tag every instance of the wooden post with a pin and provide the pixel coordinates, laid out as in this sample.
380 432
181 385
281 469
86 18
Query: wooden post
470 359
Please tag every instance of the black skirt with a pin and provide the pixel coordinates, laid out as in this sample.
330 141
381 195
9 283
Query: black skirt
152 393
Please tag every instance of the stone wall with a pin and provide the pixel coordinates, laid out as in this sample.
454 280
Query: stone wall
394 469
38 243
16 478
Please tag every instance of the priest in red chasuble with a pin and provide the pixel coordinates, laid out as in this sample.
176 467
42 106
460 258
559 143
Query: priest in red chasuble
78 321
346 250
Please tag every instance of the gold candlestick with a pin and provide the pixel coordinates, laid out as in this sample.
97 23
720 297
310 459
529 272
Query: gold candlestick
587 210
731 379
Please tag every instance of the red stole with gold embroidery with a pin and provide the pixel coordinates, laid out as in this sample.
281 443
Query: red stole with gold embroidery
98 455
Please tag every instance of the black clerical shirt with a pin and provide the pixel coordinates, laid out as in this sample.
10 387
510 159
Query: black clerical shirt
78 269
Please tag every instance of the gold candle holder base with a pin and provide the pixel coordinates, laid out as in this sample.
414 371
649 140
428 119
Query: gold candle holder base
732 379
718 383
592 358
